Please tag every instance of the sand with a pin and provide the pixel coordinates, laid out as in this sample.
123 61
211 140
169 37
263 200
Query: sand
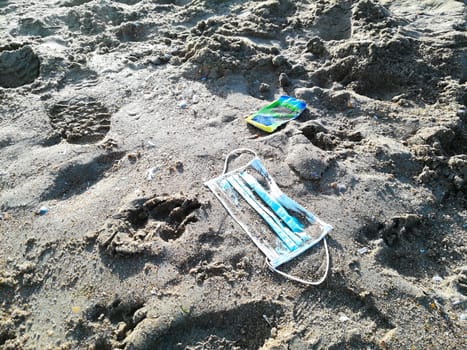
113 114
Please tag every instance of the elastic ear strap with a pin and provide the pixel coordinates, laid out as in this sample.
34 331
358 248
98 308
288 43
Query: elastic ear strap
235 151
296 279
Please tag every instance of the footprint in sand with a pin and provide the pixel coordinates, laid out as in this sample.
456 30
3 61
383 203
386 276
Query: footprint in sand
139 226
81 119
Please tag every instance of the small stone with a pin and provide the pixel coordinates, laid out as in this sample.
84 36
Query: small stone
316 47
150 173
338 99
42 211
91 236
75 309
437 279
183 105
179 166
121 329
263 87
355 136
344 318
463 317
284 80
273 332
386 339
307 161
279 60
133 156
155 61
363 250
341 187
139 315
458 182
165 57
298 71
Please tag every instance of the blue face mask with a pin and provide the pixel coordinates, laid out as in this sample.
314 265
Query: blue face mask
280 227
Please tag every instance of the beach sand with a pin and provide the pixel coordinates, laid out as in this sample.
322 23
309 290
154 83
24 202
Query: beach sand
113 114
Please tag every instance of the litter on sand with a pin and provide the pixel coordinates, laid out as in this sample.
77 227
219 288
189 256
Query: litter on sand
279 112
151 173
363 250
280 227
42 211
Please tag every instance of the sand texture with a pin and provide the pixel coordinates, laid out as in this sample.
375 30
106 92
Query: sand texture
113 114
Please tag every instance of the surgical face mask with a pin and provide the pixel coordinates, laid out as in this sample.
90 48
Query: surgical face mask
280 227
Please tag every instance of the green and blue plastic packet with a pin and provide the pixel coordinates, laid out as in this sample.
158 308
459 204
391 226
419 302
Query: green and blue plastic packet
277 113
280 227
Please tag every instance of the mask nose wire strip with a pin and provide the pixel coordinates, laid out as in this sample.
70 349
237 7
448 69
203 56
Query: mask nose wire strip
235 151
297 279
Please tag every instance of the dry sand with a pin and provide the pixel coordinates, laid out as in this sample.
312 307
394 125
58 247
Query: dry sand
114 113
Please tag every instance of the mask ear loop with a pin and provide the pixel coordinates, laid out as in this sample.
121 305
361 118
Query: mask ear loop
235 151
297 279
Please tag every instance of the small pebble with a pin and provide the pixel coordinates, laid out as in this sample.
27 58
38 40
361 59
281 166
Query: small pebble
273 332
341 187
363 250
151 173
284 80
42 211
183 105
437 279
121 329
263 87
267 320
279 60
338 187
179 166
463 317
344 318
133 156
